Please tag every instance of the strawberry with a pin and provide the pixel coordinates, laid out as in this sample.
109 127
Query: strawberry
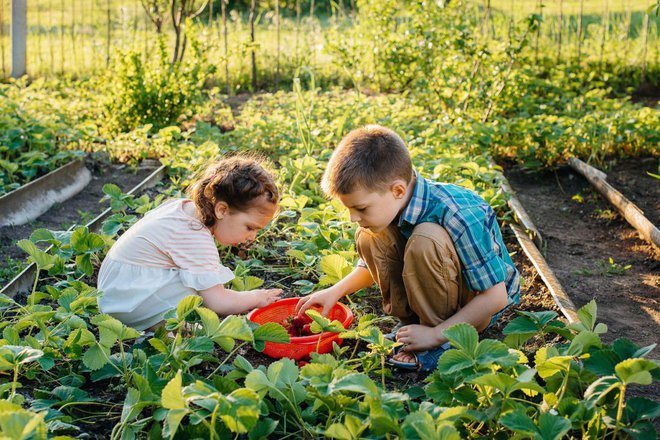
306 330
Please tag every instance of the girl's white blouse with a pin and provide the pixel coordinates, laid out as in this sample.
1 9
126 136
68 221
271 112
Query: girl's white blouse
161 259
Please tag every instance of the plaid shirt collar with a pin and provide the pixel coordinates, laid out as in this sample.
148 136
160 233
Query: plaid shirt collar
418 202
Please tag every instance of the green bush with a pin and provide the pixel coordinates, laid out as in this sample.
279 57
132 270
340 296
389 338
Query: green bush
157 93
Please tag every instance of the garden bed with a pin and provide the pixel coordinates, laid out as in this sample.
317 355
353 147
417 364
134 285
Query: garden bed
583 232
79 209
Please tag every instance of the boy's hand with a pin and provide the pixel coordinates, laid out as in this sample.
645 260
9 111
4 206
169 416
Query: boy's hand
325 298
264 297
417 337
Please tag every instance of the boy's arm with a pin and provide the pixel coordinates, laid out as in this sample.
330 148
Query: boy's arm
478 312
358 279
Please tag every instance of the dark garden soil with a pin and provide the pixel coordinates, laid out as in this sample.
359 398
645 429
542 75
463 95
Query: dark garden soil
80 209
583 232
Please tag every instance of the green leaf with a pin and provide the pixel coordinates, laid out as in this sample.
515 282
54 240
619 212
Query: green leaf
587 314
42 234
283 373
271 332
188 305
96 357
452 361
547 367
240 411
112 190
198 344
43 260
582 342
335 268
519 422
552 427
242 284
172 421
172 395
636 371
520 325
356 382
338 431
490 350
463 336
210 321
231 328
84 264
258 381
640 408
263 429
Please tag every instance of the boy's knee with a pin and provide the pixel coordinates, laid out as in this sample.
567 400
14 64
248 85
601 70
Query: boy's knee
366 242
428 240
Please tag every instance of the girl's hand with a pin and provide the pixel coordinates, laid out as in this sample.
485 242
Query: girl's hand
325 298
264 297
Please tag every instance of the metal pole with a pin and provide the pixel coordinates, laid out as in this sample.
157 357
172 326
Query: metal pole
2 34
18 37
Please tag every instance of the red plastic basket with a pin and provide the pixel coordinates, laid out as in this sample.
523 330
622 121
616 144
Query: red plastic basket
300 347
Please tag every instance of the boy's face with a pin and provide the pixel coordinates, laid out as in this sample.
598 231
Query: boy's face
375 210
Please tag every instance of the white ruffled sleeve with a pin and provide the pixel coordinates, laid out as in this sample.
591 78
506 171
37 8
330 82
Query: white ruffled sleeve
204 280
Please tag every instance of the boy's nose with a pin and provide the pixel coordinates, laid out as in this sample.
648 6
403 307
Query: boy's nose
354 217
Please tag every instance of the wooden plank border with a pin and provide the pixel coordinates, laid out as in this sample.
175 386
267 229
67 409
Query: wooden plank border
633 215
24 280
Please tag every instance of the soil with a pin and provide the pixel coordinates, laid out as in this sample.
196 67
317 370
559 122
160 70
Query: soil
647 95
583 232
80 209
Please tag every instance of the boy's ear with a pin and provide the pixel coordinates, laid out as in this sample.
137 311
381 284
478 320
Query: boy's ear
221 209
399 188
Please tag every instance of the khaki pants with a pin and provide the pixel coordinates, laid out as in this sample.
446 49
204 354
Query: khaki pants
420 279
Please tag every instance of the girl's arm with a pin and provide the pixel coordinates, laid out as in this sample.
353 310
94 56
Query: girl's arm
230 302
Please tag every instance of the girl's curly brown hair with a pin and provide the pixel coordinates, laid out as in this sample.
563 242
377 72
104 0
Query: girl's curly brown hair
241 182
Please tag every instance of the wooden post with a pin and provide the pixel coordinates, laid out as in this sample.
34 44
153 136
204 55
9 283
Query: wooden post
107 42
39 58
277 56
2 34
52 46
18 38
297 28
61 36
645 40
628 210
72 34
606 26
580 24
559 29
223 11
253 9
92 32
538 32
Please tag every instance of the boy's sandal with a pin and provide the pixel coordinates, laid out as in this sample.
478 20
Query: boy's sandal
392 334
425 361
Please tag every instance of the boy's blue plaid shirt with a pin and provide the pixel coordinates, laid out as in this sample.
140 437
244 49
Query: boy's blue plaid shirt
472 226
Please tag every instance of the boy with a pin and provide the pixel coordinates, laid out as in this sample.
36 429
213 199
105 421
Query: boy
434 249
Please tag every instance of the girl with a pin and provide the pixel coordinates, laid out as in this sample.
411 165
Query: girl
170 253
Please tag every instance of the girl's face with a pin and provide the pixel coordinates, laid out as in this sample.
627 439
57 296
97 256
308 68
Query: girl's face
234 227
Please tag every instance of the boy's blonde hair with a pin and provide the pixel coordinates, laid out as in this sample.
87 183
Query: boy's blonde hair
367 158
